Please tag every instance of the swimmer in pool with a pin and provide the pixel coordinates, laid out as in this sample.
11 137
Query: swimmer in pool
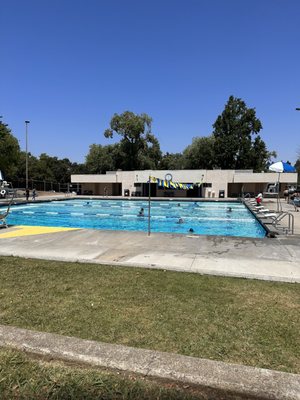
141 213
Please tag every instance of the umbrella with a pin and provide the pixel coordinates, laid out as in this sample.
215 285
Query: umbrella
281 167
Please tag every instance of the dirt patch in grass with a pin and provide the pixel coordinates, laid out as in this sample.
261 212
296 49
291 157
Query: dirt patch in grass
233 320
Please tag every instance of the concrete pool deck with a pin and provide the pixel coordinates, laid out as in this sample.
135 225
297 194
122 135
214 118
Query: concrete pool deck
275 259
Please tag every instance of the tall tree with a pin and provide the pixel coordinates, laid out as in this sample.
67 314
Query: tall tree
234 133
200 154
150 156
139 146
78 168
261 157
47 168
20 172
101 158
171 161
9 152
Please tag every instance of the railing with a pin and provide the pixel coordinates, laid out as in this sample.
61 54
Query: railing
289 229
44 186
291 223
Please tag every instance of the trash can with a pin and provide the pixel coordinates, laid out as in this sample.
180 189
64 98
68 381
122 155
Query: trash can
221 194
126 192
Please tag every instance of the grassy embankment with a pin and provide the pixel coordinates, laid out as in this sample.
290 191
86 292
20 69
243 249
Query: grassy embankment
234 320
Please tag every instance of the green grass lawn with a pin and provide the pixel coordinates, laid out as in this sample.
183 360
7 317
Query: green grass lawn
234 320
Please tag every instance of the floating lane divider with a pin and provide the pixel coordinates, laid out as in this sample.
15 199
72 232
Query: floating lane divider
32 230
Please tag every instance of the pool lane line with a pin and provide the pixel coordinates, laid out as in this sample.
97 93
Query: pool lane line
22 230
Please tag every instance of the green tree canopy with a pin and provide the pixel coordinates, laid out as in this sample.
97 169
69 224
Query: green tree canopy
200 154
47 168
138 147
20 172
261 157
235 144
9 152
102 158
171 161
53 169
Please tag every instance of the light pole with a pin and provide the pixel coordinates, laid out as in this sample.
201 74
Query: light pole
298 109
149 205
26 125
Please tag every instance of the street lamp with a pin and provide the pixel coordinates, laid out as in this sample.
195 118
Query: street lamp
26 125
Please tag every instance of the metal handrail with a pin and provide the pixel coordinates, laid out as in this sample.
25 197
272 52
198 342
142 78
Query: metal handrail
5 214
291 222
281 215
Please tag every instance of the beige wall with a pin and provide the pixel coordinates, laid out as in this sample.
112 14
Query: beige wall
219 179
95 178
267 177
127 178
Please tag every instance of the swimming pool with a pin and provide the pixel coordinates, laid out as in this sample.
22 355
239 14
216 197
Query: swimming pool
204 218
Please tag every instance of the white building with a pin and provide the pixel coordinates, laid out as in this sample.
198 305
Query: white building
215 183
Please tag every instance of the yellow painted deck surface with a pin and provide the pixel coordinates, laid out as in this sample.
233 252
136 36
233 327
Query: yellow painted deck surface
31 230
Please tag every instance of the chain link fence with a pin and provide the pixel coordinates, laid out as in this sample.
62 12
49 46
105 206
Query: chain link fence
45 186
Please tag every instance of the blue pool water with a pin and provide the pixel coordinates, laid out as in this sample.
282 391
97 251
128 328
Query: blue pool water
205 218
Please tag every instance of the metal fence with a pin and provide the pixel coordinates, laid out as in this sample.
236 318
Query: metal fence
44 186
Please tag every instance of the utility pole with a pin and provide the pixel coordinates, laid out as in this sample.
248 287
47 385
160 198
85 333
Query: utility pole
26 125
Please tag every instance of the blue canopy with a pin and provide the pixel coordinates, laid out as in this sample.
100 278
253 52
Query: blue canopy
281 166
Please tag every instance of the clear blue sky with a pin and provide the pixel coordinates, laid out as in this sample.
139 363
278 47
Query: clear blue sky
69 65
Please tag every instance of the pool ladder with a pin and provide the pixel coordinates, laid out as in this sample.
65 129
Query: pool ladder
289 230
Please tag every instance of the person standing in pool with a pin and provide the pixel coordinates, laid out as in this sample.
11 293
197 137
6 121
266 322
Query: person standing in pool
141 213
